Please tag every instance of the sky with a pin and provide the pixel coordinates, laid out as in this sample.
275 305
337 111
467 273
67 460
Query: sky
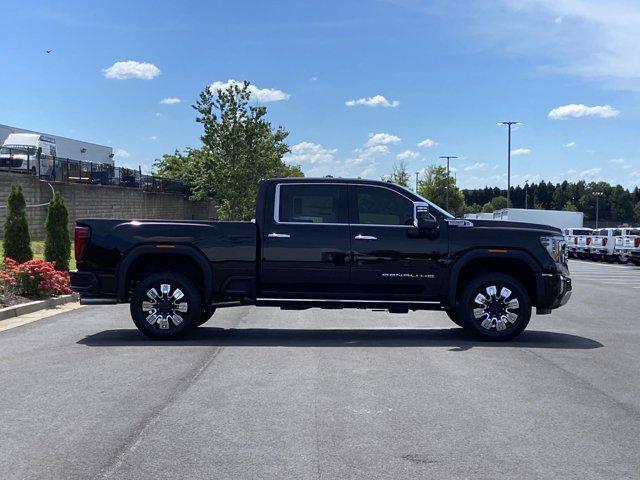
360 85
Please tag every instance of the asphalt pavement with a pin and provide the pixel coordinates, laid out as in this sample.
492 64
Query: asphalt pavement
264 393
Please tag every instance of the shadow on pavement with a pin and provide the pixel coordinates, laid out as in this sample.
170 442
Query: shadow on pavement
278 337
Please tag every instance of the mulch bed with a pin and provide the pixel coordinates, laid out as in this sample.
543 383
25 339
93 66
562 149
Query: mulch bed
10 299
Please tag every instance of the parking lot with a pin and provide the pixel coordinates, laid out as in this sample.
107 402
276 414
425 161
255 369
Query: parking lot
262 393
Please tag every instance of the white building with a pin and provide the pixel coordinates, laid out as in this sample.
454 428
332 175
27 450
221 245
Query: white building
68 147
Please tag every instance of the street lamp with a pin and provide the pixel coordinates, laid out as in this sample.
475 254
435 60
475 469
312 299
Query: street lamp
416 190
509 159
598 195
526 194
448 157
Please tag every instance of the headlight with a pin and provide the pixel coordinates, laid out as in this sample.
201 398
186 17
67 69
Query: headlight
557 248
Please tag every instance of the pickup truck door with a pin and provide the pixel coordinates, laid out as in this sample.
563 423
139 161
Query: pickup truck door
305 242
388 260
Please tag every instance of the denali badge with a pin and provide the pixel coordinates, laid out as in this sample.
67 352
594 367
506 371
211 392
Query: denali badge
408 275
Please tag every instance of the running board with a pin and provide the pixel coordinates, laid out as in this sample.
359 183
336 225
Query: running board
304 303
98 300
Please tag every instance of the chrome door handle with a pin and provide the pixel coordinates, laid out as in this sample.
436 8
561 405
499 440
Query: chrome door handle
365 237
279 235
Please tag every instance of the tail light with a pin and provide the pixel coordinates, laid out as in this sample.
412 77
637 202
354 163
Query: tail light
604 242
637 242
81 239
588 240
575 240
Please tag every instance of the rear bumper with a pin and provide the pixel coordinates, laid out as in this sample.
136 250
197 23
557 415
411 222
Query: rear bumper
554 291
84 282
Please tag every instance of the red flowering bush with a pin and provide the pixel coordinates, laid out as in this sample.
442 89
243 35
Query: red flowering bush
33 278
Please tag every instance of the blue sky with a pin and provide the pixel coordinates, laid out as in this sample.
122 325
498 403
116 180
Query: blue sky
359 84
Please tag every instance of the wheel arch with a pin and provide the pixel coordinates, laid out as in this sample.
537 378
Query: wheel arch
184 259
516 263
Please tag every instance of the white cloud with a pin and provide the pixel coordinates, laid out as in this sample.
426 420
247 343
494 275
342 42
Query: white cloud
131 69
375 101
475 166
617 161
591 172
305 153
427 143
259 94
382 139
158 114
153 137
521 151
570 144
578 110
407 154
121 153
170 100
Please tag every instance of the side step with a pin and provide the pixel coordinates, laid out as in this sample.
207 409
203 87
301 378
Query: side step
98 300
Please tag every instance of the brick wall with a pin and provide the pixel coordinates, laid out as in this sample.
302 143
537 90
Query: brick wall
99 201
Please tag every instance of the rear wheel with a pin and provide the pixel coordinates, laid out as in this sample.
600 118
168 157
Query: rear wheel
635 261
166 305
207 313
622 258
495 306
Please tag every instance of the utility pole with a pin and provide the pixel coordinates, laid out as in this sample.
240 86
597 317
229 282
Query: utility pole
509 159
416 190
448 157
598 195
526 194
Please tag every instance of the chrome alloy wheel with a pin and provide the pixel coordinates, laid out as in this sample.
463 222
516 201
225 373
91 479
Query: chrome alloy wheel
164 308
496 310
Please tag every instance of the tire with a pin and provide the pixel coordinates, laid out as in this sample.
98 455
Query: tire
635 261
166 305
622 258
207 313
507 311
453 315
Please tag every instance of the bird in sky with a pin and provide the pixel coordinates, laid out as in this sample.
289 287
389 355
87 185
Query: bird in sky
49 51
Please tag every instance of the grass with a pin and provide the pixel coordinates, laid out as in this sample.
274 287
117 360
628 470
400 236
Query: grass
37 246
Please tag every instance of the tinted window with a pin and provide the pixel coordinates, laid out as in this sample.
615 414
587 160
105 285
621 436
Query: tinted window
617 233
380 206
581 232
313 203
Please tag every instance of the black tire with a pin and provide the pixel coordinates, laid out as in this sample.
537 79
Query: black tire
455 318
500 311
207 313
164 325
622 259
635 261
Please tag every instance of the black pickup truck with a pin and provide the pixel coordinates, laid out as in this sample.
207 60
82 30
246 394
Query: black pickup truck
325 243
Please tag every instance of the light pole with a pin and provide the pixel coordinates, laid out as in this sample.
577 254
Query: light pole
526 194
416 190
598 195
448 157
509 159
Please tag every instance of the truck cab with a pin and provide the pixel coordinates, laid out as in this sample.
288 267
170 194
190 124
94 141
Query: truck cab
325 243
29 152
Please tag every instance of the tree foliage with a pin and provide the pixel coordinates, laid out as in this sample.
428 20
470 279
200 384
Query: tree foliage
239 148
400 175
433 187
17 241
57 245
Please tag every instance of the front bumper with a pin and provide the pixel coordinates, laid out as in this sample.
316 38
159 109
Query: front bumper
554 291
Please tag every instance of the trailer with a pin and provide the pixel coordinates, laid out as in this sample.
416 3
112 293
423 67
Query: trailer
66 147
556 218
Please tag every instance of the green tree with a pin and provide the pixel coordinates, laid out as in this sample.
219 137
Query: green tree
498 203
433 186
17 241
57 244
240 147
636 212
399 175
487 208
569 207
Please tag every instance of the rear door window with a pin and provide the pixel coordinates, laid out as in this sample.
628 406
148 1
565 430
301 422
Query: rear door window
312 203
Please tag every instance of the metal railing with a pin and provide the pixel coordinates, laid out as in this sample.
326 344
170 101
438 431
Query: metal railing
77 171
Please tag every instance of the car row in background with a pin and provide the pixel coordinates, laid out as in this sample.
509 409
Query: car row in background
621 244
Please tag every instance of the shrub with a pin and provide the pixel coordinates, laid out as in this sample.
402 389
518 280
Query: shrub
17 242
36 278
57 244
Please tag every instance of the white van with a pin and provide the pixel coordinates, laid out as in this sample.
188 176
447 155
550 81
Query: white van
20 152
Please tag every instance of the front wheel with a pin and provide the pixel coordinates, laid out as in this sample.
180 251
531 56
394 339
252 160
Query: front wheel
455 317
495 306
635 261
165 305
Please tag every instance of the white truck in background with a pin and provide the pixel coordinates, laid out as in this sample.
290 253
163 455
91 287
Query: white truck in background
627 245
29 152
556 218
578 240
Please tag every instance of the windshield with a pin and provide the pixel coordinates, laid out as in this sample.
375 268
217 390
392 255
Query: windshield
17 150
582 232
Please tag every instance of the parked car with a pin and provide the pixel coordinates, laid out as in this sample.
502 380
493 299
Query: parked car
627 245
602 244
576 241
325 243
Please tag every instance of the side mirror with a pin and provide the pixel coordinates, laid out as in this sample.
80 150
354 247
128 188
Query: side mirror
424 219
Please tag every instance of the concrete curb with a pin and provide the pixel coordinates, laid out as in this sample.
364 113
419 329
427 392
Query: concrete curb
30 307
